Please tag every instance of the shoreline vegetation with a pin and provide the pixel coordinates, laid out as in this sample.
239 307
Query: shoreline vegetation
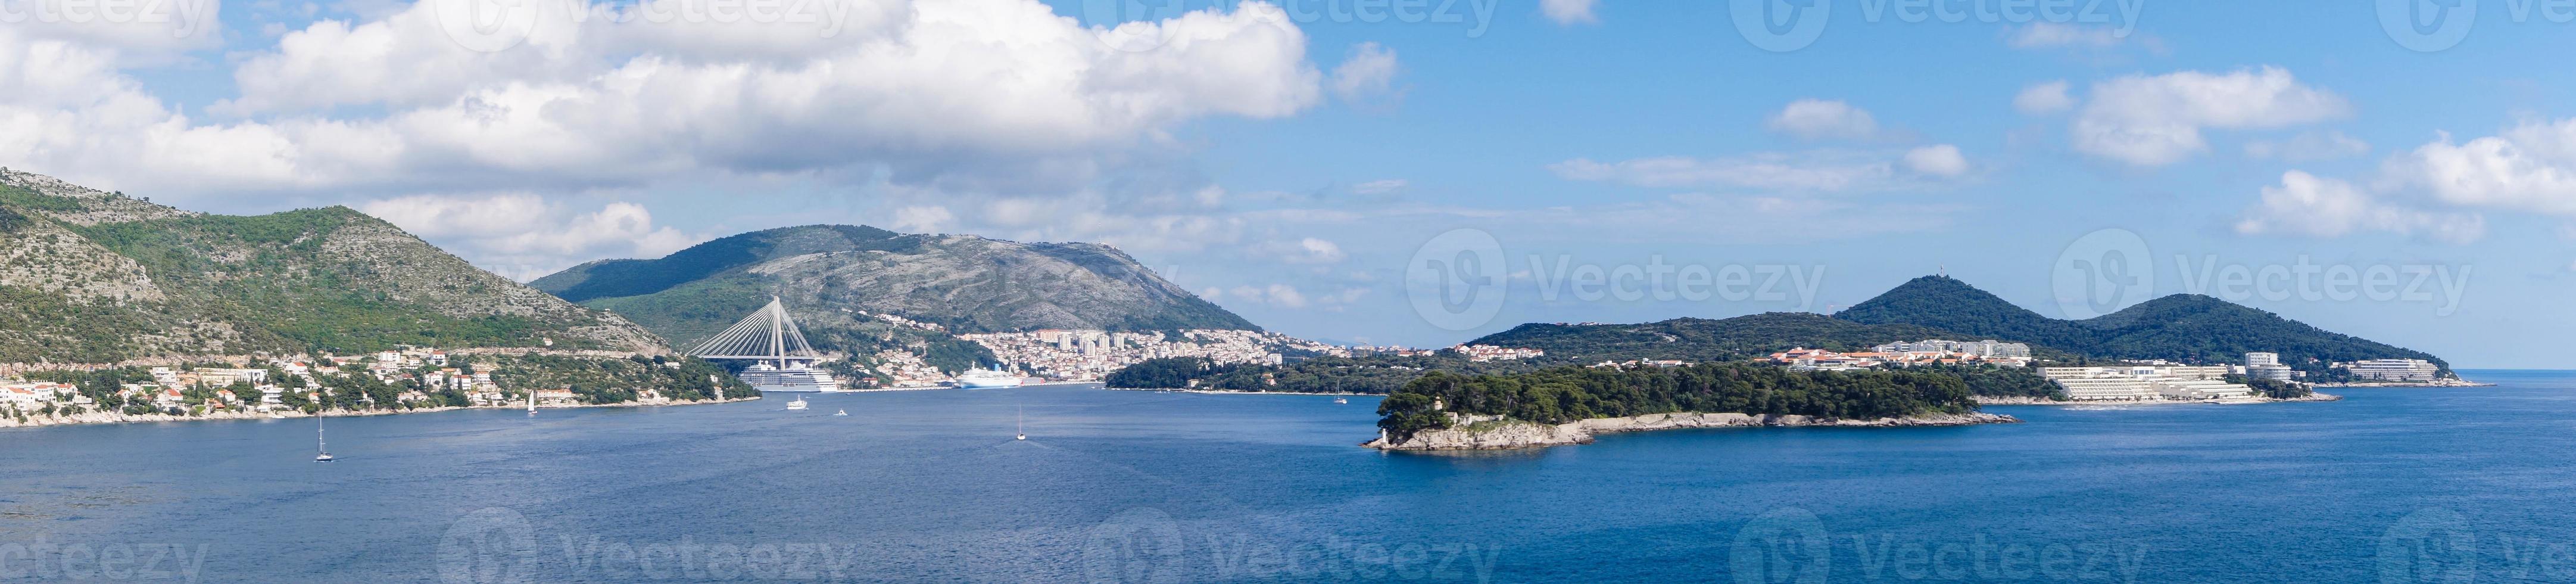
1568 405
1498 433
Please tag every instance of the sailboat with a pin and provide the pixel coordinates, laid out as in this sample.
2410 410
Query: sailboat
1024 423
532 402
318 442
798 405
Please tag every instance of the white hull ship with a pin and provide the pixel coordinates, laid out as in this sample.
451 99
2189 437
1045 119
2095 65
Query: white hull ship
796 378
783 361
987 379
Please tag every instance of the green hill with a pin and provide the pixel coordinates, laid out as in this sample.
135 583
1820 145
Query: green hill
830 275
2182 327
96 277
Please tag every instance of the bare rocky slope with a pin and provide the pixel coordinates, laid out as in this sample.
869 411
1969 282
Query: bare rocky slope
829 273
96 277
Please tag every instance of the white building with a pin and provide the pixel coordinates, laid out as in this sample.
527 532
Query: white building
2267 366
2394 369
2144 382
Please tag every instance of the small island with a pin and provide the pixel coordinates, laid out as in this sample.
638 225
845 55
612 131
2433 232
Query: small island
1569 405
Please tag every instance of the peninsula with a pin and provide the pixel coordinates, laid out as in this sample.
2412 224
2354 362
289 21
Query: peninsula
1569 405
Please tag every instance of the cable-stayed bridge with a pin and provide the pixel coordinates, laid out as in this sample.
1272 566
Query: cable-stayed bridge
766 335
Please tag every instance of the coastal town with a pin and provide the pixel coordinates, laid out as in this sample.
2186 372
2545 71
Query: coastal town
2151 380
409 378
1090 355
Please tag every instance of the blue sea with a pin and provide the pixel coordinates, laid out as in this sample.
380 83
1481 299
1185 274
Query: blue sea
2389 485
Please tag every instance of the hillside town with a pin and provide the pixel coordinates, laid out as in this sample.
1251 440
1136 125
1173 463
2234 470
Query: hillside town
1090 355
1905 354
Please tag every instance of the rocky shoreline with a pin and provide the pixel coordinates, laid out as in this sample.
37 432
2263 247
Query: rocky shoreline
1495 433
34 421
2041 401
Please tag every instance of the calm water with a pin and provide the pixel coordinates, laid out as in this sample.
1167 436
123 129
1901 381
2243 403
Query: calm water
2413 484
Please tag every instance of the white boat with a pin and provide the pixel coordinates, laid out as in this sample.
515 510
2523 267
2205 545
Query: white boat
798 405
987 379
318 442
1024 424
841 414
1341 400
532 402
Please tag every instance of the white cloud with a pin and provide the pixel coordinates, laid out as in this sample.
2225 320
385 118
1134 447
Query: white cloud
1304 251
2529 167
923 219
1937 160
1569 11
970 94
1277 295
2308 147
1817 119
1368 74
1820 170
1380 187
2044 98
2044 35
524 236
2305 204
2156 121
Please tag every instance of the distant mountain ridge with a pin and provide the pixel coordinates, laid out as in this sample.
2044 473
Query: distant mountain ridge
830 273
2181 327
1700 339
95 277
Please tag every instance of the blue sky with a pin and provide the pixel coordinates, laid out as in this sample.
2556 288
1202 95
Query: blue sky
1296 162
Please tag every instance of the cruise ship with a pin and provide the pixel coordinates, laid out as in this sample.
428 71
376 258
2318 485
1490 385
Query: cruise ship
987 379
782 360
795 378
